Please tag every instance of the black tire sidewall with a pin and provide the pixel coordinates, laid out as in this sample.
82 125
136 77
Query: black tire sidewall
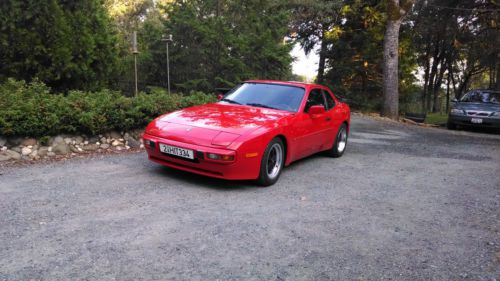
335 149
264 179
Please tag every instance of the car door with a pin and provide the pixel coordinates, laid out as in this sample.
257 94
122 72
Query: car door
310 130
336 115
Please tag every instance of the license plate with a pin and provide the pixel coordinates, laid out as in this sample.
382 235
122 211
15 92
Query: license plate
476 120
177 151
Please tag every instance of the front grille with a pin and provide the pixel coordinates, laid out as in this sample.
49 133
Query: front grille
478 113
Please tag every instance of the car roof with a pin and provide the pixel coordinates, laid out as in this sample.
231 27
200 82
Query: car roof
485 90
288 83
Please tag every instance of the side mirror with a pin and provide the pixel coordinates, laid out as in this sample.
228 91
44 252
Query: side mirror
316 109
220 96
454 100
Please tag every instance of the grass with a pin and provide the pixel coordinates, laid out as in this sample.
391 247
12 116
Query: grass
436 118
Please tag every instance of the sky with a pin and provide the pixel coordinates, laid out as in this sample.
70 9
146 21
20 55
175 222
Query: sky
305 65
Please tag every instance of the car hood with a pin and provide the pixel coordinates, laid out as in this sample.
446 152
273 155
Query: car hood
213 124
478 106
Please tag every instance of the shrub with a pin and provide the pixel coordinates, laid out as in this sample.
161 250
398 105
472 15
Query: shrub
32 110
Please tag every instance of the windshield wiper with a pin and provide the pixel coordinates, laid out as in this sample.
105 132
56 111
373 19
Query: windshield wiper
230 101
262 105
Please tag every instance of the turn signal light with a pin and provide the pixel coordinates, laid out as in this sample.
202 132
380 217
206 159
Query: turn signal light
219 157
250 155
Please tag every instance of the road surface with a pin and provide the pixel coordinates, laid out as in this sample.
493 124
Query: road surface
403 203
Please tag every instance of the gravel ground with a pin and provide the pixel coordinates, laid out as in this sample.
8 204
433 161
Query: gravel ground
403 203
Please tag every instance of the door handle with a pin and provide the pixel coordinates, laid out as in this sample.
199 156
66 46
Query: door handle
328 119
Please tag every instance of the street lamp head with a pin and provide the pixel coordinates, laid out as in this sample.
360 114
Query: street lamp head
167 38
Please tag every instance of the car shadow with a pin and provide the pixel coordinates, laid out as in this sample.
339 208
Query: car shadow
484 130
204 181
226 185
303 161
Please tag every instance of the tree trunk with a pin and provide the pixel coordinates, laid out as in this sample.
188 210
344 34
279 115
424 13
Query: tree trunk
436 106
463 86
452 77
432 76
322 59
391 77
396 10
492 75
448 93
426 76
497 79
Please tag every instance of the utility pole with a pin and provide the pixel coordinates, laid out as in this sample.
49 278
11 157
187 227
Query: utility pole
135 52
167 39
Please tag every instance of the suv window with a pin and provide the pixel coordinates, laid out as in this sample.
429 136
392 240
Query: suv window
330 102
315 98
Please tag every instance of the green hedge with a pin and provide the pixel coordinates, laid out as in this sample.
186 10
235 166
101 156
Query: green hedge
30 109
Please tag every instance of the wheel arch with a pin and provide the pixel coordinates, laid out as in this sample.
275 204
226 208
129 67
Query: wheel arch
285 146
347 126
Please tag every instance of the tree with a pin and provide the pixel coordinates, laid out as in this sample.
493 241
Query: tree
396 10
355 54
67 44
354 67
458 51
219 43
311 23
129 14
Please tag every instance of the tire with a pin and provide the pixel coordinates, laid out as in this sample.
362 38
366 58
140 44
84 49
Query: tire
272 163
451 126
340 144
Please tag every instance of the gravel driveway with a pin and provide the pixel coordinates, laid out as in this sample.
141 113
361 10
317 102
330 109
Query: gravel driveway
403 203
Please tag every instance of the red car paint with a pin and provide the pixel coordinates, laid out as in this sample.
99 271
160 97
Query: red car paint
242 133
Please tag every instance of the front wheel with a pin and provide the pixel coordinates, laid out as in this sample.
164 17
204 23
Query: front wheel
272 163
340 143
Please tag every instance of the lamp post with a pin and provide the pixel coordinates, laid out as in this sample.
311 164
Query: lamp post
167 39
135 52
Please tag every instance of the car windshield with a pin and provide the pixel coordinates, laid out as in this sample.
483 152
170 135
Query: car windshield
272 96
481 96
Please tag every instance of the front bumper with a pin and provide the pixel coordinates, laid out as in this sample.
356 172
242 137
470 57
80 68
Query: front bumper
487 122
242 168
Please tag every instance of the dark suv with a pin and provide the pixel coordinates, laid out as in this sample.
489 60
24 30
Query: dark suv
476 108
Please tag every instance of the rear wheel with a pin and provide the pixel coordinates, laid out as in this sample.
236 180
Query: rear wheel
272 163
340 143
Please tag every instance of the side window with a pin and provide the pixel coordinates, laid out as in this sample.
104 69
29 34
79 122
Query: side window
330 102
315 98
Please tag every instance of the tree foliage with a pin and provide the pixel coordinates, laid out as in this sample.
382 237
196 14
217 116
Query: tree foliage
314 23
219 43
462 47
67 44
355 55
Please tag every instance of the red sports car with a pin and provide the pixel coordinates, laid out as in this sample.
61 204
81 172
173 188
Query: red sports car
255 130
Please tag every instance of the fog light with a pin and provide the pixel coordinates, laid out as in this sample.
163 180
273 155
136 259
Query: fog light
213 156
149 143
